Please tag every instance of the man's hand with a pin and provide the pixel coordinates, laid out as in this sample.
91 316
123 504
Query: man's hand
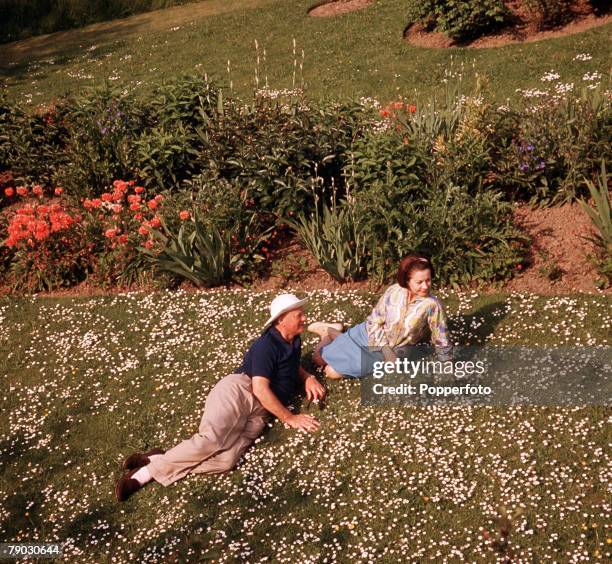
314 389
302 422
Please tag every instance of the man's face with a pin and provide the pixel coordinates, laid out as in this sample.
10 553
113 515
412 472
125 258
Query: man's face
294 321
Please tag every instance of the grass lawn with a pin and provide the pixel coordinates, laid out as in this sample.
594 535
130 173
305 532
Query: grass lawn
84 382
356 54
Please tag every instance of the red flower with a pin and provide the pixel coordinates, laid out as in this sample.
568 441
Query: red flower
152 204
134 207
9 192
110 233
411 108
22 190
139 189
155 222
106 197
138 216
184 215
120 185
143 231
58 191
149 244
37 190
158 198
117 208
133 199
384 113
398 105
123 239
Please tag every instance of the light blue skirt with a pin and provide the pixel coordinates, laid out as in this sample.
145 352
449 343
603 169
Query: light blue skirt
348 353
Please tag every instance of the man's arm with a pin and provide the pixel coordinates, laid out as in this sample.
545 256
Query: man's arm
313 388
267 398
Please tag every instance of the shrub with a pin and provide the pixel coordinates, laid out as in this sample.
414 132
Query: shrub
459 19
470 238
225 206
32 143
273 149
178 116
103 125
550 13
118 224
555 144
48 244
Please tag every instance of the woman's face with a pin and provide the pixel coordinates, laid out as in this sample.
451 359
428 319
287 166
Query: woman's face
420 282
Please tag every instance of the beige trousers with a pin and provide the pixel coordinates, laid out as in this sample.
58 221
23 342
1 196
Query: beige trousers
233 418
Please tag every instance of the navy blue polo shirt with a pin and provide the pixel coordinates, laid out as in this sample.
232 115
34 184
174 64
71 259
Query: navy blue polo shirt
277 360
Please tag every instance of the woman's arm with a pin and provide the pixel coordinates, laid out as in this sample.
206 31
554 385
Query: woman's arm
440 337
375 324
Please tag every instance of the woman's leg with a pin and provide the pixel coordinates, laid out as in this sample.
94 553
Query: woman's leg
326 338
332 374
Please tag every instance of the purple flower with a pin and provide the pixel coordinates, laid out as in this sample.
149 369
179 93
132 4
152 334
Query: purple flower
524 166
541 165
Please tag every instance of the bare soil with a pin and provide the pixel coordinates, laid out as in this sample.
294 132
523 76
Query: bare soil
524 30
560 249
338 7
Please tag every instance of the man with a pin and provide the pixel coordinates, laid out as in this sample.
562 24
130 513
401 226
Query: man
238 406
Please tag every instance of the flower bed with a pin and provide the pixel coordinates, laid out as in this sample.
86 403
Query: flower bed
212 186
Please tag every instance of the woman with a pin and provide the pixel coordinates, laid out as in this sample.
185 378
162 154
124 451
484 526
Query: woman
402 317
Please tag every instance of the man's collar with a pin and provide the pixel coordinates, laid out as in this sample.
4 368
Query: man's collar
276 334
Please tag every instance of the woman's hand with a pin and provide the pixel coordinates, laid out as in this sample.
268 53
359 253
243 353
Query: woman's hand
314 389
388 354
302 422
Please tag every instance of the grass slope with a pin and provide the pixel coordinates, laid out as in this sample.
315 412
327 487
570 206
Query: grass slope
86 381
360 53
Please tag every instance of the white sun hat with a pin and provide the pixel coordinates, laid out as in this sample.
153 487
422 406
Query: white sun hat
282 304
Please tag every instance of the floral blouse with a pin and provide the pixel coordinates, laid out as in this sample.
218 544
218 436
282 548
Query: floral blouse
395 323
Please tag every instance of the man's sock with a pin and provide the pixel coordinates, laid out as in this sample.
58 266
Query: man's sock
143 476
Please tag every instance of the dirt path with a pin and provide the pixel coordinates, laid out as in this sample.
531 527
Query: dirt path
55 44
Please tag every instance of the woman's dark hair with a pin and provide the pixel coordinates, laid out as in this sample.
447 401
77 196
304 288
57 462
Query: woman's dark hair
410 264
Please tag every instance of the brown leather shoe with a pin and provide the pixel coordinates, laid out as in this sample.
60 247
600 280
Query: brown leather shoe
126 486
140 459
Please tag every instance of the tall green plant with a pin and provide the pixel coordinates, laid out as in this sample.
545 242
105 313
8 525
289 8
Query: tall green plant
201 256
600 216
331 234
